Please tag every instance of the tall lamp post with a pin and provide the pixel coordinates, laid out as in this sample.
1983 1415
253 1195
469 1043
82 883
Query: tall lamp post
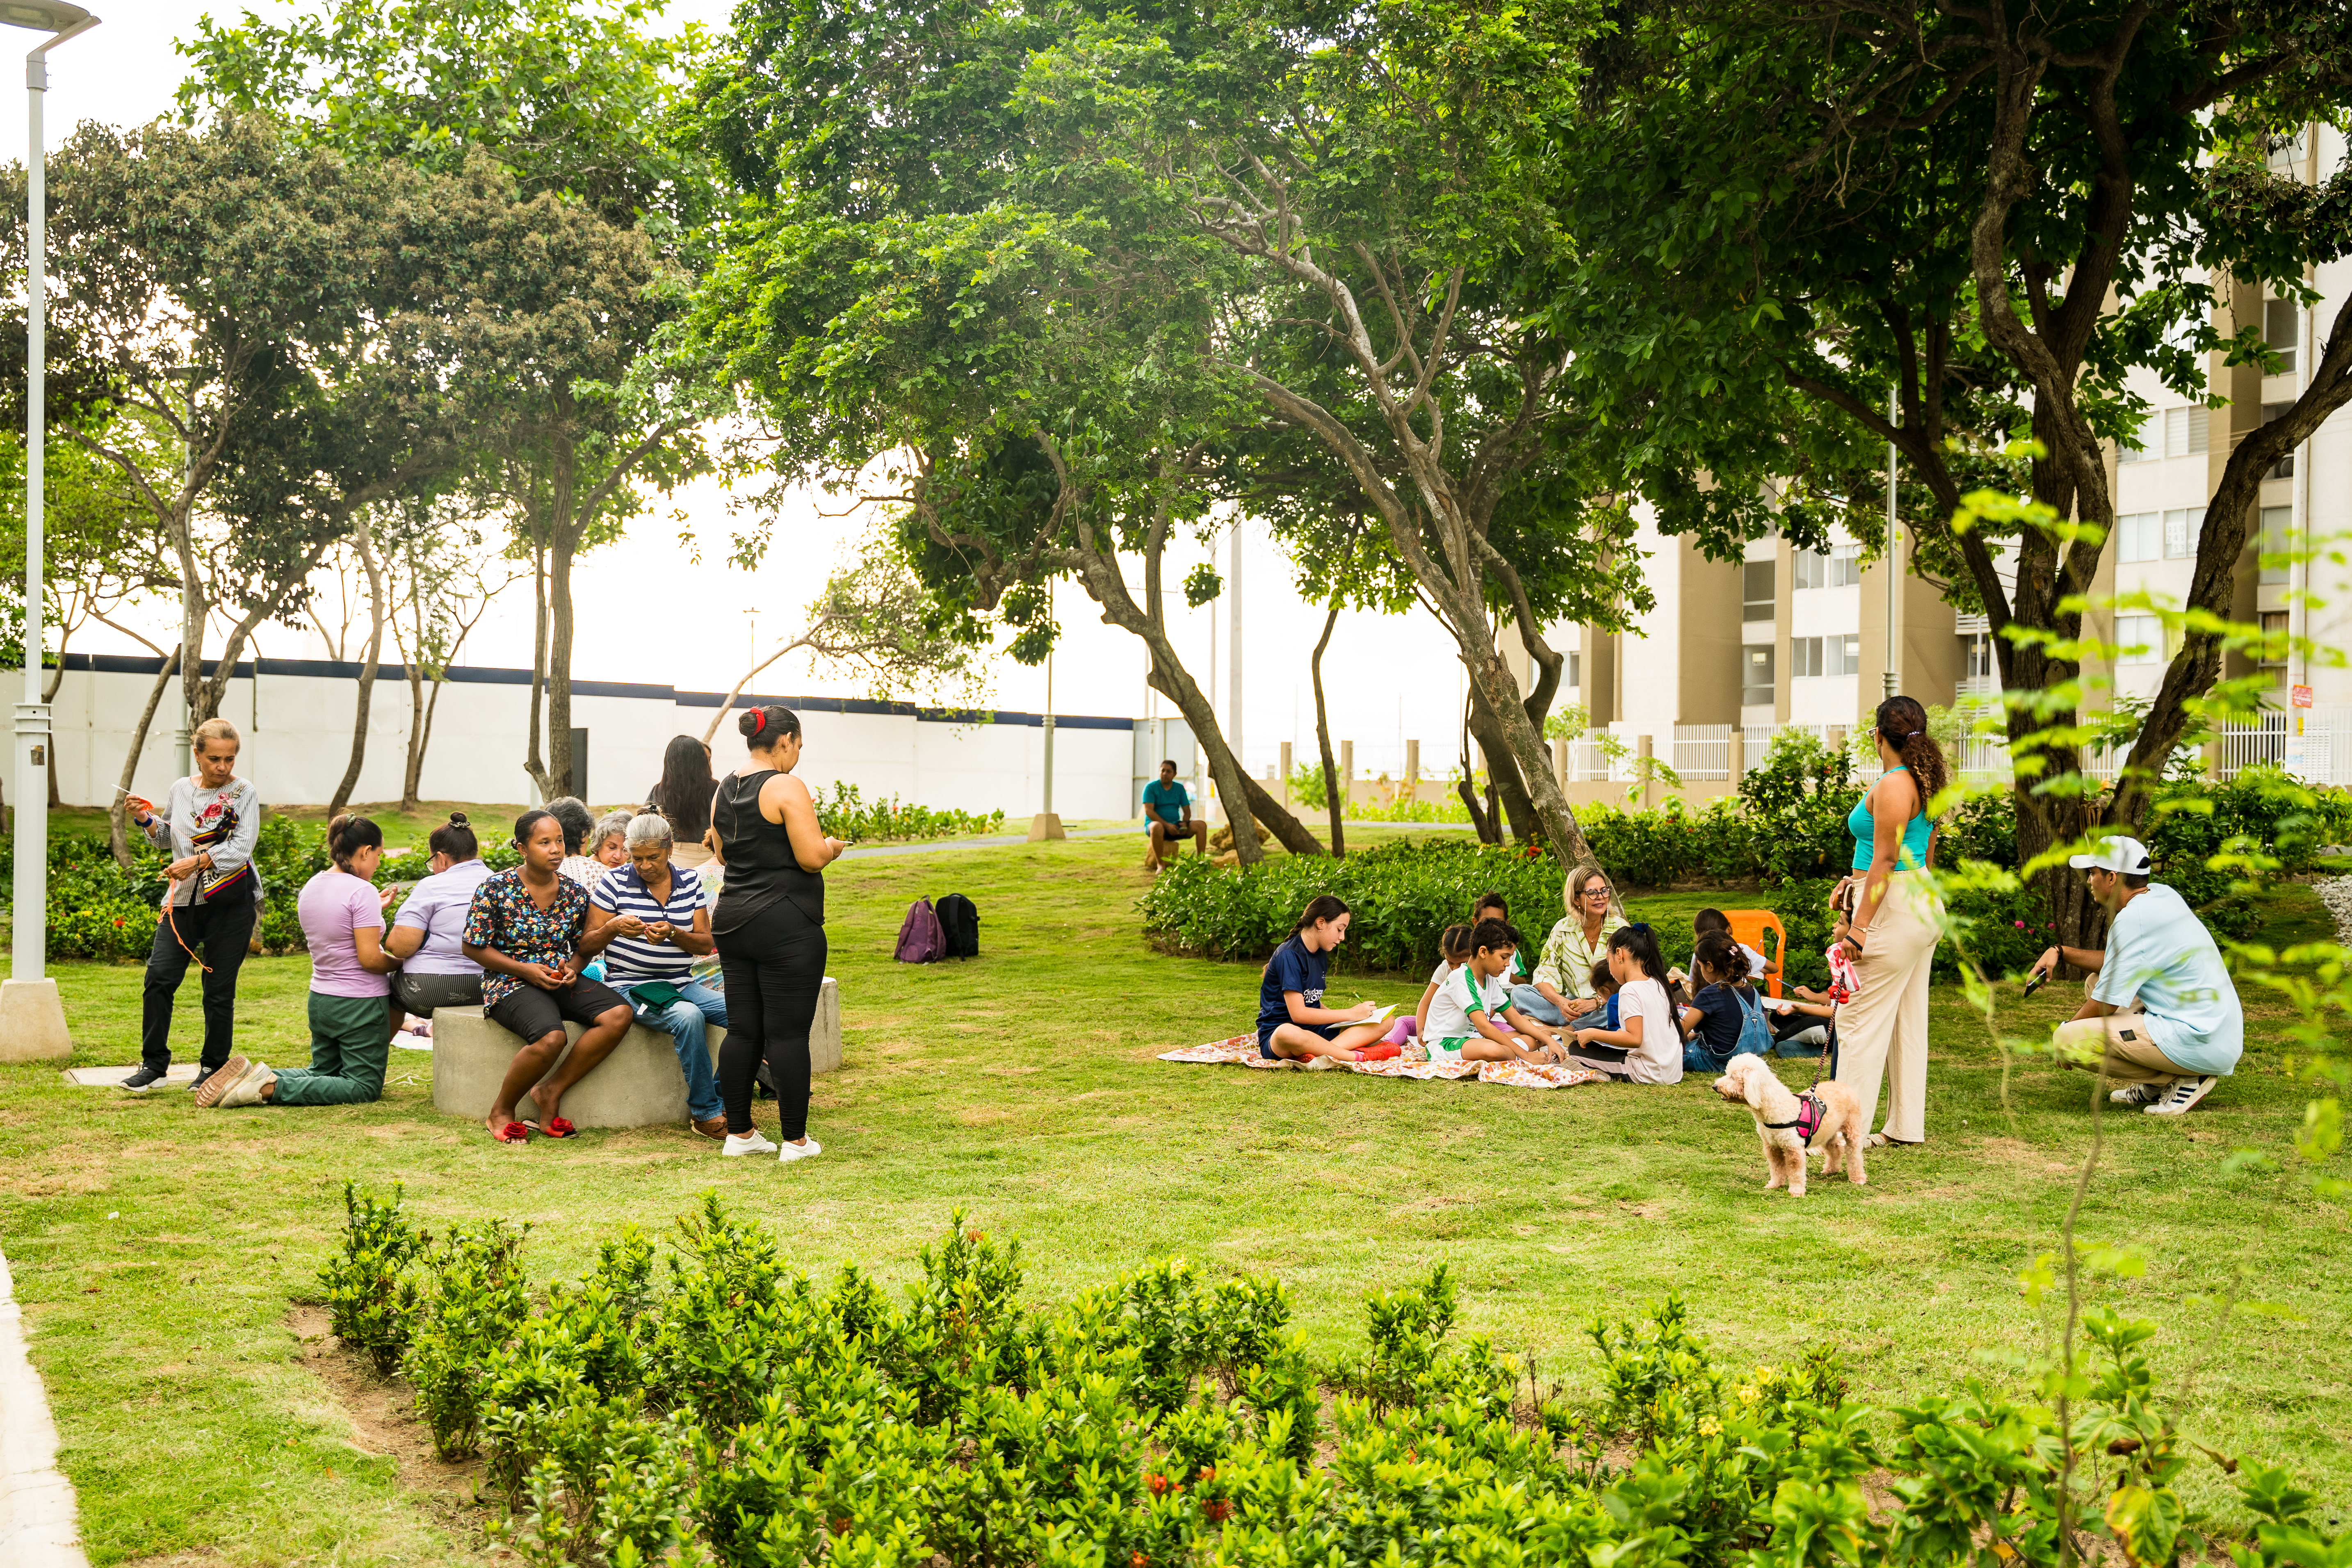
32 1021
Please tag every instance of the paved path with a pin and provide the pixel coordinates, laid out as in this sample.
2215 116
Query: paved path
860 852
37 1527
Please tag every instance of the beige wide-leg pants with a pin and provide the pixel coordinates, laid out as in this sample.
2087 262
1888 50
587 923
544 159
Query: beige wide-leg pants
1882 1032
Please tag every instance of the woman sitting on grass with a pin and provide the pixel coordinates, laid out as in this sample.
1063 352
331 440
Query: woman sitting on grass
342 913
1472 1019
1293 1025
527 929
1645 1046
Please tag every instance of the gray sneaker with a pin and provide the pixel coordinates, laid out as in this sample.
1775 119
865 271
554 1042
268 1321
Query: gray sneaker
2184 1093
146 1078
2139 1093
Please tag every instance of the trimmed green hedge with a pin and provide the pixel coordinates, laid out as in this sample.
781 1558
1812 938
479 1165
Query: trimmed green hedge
723 1409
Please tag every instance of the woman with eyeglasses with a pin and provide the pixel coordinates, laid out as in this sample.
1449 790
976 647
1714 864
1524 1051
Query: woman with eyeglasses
1562 987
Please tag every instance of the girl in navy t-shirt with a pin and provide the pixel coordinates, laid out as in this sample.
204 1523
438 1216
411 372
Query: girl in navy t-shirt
1292 1021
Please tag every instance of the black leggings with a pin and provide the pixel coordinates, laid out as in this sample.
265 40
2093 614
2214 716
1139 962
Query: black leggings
220 931
775 969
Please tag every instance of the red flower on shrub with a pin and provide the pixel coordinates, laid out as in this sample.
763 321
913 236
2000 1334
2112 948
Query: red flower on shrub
1217 1509
1157 1483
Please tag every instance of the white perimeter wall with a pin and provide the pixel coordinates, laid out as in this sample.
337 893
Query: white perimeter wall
298 730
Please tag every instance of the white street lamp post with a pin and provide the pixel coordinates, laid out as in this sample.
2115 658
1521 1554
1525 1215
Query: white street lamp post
31 1022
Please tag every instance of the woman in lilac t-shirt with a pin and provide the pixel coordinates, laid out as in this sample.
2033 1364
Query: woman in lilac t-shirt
350 988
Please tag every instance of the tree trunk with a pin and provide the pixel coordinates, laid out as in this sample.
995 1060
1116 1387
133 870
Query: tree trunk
1503 780
50 685
560 770
1482 818
1332 798
363 541
115 838
532 762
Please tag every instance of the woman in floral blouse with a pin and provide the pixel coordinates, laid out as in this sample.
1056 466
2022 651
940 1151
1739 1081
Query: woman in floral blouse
1562 987
527 929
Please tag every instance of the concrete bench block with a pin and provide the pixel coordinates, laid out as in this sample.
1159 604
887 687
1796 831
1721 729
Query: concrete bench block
637 1086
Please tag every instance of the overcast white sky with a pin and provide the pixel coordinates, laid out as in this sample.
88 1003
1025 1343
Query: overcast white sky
1387 679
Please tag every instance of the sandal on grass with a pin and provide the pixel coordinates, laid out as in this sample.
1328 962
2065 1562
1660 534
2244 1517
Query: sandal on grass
556 1127
512 1132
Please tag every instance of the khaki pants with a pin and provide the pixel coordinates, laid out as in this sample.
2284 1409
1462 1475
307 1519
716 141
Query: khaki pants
1882 1032
2125 1053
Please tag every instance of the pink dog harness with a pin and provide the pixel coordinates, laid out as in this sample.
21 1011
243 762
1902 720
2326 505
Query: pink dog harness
1809 1112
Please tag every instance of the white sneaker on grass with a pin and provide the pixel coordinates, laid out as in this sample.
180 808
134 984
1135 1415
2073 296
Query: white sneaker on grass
239 1082
2184 1093
2139 1093
739 1144
791 1152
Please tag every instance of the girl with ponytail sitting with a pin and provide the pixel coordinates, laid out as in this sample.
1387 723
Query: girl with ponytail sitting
342 913
428 935
1292 1022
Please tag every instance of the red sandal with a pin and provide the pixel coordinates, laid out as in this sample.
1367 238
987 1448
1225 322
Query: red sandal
559 1127
512 1132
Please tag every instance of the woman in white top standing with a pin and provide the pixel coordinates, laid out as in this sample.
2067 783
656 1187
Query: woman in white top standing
207 826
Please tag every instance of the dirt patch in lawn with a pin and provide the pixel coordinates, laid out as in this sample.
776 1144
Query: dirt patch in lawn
385 1425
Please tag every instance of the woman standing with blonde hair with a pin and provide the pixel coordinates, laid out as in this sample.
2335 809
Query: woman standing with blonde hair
1890 918
208 826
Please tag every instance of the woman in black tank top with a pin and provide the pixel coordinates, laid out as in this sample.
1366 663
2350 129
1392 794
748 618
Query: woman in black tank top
770 922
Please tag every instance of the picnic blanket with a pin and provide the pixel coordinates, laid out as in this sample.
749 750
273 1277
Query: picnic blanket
1242 1049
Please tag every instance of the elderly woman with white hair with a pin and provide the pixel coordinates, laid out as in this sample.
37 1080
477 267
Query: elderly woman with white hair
653 908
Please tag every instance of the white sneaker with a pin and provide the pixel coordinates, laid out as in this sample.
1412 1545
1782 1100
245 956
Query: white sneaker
2138 1093
739 1144
239 1082
789 1152
2184 1093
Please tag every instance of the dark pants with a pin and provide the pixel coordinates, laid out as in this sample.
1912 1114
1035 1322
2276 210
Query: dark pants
421 994
775 967
219 932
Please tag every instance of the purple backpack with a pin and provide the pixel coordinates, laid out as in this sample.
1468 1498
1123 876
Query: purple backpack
921 941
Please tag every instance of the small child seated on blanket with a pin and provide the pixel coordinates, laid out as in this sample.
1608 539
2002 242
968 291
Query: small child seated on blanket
1604 986
1491 907
1645 1046
1453 953
1472 1019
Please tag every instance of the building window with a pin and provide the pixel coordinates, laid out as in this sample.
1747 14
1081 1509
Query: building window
1756 682
2185 430
1575 671
1840 568
2274 642
1813 657
2284 468
2283 330
2182 527
2286 158
2139 536
1976 656
2277 524
2140 639
1756 593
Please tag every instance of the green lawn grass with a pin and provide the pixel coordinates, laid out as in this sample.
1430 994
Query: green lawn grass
157 1249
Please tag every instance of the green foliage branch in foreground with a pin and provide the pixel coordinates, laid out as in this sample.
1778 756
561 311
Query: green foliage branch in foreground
711 1405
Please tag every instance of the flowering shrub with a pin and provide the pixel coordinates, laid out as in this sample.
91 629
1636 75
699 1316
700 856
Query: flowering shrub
724 1409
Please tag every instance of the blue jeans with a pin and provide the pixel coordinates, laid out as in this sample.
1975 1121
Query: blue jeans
686 1020
1531 1002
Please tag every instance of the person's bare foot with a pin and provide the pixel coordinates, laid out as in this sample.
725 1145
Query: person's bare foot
505 1130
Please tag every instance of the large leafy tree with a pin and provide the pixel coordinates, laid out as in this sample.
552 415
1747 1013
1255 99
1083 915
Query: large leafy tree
575 98
1986 215
1099 271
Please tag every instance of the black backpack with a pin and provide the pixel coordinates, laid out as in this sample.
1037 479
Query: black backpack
959 923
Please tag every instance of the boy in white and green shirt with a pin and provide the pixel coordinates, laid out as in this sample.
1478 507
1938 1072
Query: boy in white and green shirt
1472 1019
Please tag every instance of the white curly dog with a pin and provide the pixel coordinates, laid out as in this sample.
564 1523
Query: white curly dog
1791 1125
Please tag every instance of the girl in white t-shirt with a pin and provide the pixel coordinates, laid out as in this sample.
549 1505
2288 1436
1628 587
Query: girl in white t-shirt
1471 1017
1645 1046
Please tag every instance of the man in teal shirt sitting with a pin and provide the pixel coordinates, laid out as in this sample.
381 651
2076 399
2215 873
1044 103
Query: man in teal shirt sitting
1168 818
2159 1015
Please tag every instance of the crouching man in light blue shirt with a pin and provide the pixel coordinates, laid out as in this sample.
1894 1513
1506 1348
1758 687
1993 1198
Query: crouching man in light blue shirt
2159 1015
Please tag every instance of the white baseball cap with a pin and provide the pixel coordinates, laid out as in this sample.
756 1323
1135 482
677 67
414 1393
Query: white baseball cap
2129 856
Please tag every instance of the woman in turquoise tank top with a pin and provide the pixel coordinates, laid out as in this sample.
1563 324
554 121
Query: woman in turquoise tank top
1889 919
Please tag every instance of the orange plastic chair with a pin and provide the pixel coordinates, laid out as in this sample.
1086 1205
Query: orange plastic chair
1749 926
